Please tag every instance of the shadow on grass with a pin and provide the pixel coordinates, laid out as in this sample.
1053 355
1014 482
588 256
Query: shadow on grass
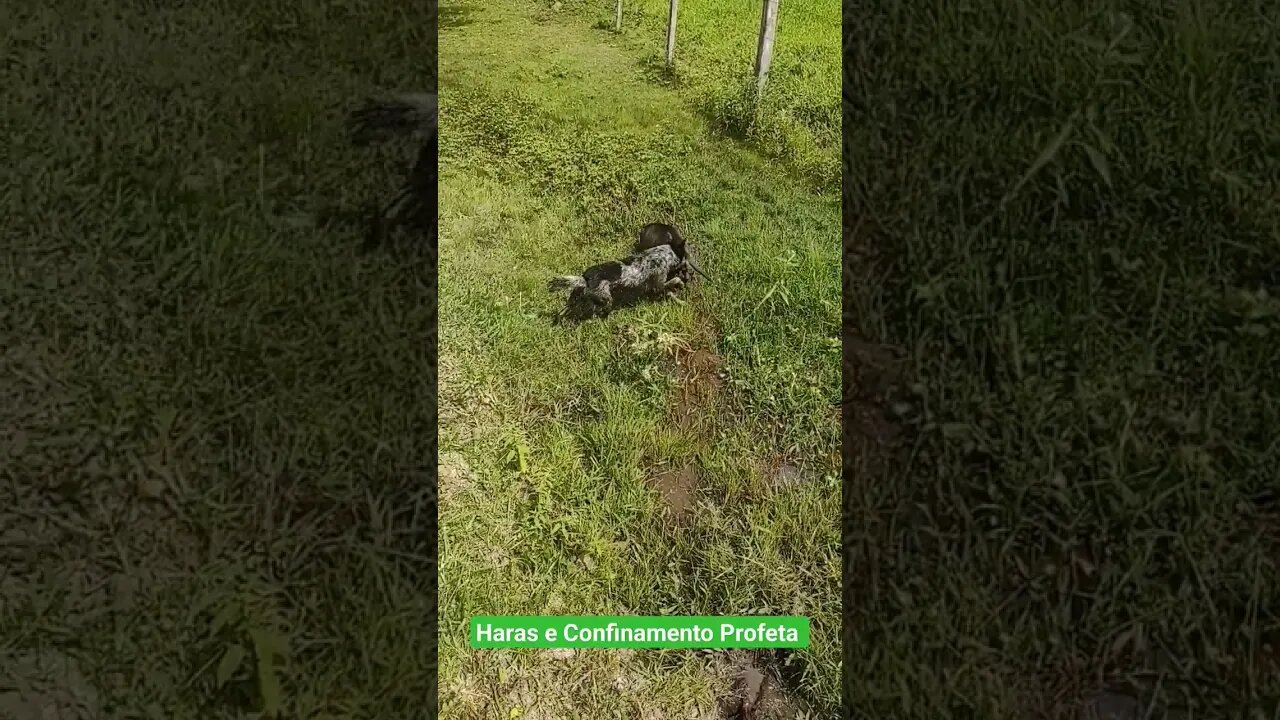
655 69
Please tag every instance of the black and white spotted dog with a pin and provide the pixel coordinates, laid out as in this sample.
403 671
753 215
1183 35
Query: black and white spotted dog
653 273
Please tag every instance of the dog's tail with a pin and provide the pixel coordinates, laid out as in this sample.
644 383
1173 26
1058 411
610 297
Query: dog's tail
566 282
379 119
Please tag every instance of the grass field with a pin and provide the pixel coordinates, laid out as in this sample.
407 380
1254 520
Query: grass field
676 458
799 120
1063 223
216 422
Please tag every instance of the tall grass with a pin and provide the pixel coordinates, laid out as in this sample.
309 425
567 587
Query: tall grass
1066 215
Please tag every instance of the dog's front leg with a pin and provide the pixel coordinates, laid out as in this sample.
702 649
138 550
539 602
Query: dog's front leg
672 286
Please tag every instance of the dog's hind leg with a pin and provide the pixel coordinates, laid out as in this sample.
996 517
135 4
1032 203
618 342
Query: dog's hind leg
602 296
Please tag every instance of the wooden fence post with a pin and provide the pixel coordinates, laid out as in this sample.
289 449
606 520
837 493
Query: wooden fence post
617 17
671 34
764 50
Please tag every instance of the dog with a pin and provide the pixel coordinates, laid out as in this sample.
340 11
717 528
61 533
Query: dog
658 234
414 207
650 274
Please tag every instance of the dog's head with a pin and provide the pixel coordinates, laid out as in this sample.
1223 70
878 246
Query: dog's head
656 234
659 234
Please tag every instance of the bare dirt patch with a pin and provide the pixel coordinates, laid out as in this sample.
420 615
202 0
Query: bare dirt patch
782 472
678 490
701 386
699 390
454 477
758 693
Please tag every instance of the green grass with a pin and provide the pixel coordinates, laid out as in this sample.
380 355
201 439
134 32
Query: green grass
798 122
557 147
1066 219
216 422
